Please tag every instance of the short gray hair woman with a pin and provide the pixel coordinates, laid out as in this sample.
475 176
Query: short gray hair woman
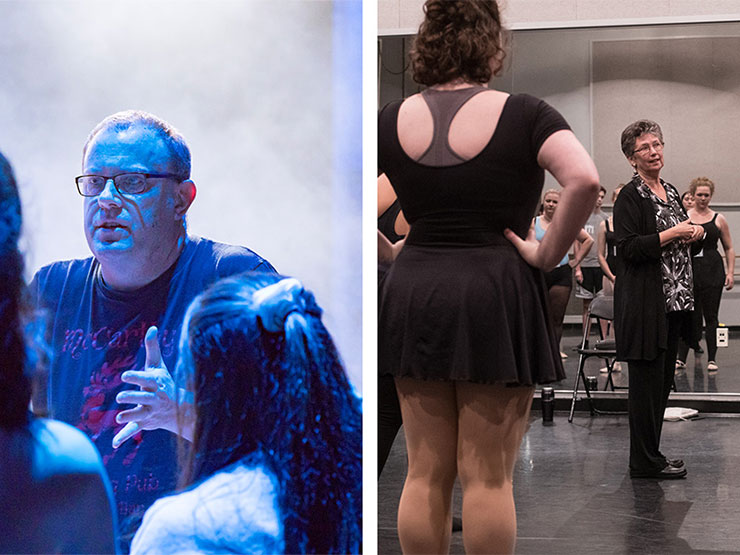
653 295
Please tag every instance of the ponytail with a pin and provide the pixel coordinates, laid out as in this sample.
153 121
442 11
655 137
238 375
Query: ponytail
269 386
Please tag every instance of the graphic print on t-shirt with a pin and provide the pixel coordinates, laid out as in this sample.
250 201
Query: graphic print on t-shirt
109 352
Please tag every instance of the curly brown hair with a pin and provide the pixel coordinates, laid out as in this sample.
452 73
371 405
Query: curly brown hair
458 39
701 182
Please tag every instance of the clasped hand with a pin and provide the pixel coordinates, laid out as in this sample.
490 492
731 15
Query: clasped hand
688 232
156 401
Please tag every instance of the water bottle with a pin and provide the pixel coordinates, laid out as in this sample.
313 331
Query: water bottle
592 383
547 398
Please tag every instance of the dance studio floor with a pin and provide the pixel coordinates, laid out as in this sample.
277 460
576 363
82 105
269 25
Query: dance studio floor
574 495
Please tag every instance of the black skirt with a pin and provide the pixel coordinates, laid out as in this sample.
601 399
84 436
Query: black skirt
476 314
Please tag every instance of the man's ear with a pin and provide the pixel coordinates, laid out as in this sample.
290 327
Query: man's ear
185 192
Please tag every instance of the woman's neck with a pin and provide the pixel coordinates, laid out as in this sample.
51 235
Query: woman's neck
455 84
699 212
651 180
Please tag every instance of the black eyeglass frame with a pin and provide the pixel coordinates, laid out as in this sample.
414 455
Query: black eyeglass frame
114 177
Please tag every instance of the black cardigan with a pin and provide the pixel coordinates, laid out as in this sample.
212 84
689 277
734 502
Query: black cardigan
640 324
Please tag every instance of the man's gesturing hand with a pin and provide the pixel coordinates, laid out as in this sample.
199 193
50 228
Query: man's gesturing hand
155 401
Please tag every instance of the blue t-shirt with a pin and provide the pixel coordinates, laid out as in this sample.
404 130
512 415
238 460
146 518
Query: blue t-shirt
97 333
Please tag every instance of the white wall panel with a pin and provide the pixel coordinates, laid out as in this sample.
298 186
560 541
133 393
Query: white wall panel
389 14
544 14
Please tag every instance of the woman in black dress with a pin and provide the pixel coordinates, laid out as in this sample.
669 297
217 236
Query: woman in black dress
710 275
607 249
653 296
463 324
559 281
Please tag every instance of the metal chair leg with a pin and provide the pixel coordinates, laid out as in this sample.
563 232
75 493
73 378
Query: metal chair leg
575 393
610 369
581 374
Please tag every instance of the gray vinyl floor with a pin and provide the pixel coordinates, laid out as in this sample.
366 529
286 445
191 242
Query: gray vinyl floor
574 495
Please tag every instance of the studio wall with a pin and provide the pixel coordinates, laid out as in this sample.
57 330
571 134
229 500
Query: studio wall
404 16
601 79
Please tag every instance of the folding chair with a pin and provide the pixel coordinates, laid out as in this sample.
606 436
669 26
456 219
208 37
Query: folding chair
601 308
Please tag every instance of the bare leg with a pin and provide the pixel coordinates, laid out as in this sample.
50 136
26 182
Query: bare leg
607 286
604 324
492 421
429 411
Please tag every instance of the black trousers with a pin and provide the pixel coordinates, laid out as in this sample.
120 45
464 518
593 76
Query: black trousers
709 298
650 384
706 304
389 418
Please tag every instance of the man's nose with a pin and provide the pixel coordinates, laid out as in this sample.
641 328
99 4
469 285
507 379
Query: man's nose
109 196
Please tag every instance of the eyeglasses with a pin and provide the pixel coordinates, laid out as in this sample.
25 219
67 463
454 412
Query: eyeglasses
645 149
125 183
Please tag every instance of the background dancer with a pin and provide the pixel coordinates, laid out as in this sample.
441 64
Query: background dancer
560 280
709 271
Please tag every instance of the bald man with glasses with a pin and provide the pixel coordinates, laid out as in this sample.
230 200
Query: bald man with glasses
108 374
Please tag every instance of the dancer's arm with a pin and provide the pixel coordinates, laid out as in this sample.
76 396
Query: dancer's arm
726 238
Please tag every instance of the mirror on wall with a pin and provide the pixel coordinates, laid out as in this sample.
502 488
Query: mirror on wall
684 76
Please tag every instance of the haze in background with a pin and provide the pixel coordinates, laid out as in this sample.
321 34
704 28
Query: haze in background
267 94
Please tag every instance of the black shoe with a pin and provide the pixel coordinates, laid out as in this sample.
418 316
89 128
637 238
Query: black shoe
456 524
668 473
698 350
675 463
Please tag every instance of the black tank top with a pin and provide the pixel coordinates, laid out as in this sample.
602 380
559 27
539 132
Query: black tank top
611 241
709 270
612 260
712 236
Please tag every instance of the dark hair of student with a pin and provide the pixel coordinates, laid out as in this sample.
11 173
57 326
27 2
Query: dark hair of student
15 385
269 388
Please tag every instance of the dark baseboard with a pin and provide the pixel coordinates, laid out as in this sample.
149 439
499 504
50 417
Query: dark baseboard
616 402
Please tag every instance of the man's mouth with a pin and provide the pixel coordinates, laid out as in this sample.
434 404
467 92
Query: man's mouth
111 231
111 226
